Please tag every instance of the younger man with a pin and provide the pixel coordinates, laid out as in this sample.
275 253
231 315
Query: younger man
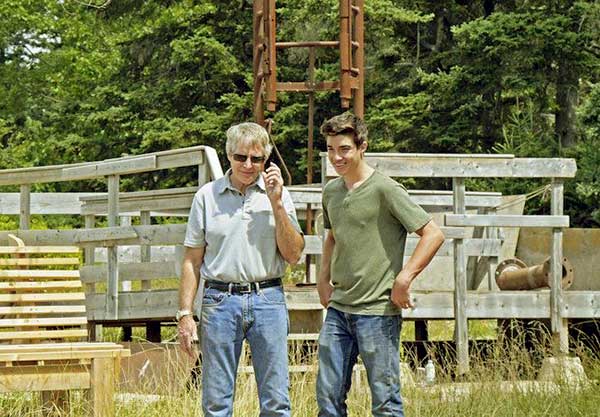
362 281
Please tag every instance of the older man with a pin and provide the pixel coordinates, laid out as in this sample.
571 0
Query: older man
241 232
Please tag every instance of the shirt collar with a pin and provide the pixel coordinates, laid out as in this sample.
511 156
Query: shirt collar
225 183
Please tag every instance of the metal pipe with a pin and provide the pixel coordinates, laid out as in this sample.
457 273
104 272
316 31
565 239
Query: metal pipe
514 274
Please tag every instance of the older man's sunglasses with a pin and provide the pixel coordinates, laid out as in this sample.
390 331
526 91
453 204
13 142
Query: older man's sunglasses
243 158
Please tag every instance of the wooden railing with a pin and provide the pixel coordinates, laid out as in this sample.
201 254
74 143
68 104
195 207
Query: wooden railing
209 168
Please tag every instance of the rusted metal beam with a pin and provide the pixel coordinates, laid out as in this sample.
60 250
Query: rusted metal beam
271 59
257 60
359 57
345 54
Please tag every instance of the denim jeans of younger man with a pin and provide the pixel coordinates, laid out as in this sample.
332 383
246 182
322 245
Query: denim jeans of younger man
227 319
376 339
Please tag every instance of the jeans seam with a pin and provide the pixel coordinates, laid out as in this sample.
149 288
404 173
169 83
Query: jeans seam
390 378
347 355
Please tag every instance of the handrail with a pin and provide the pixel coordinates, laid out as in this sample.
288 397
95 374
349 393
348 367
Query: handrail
195 155
464 166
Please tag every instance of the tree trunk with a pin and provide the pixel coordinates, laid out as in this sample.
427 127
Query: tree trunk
566 99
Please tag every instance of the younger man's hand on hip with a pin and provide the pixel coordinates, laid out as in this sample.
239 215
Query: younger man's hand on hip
401 293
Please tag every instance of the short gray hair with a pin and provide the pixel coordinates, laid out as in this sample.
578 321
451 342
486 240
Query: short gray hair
248 133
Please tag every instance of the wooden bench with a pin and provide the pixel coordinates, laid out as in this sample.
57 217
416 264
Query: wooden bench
43 331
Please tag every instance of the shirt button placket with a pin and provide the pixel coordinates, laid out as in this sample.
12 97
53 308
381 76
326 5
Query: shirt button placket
245 207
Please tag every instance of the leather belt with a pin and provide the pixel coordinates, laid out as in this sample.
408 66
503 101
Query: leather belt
242 288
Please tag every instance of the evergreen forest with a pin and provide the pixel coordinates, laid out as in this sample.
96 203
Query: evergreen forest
85 80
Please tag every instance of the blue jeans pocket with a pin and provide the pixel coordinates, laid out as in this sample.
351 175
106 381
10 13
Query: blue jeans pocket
213 297
273 295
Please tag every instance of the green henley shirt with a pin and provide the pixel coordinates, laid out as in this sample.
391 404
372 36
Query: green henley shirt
370 224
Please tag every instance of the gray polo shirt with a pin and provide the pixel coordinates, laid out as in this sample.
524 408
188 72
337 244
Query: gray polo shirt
237 231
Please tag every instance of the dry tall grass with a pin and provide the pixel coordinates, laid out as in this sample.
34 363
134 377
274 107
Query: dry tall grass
501 384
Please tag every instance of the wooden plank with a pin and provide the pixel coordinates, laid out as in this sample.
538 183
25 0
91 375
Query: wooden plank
465 166
480 305
44 203
55 173
38 273
33 175
506 220
38 378
144 271
121 166
171 234
38 261
39 285
472 247
505 305
580 305
160 304
54 309
46 321
181 159
134 206
44 334
18 356
38 249
62 347
105 234
23 298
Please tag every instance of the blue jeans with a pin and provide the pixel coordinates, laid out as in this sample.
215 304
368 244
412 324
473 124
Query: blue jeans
228 319
376 339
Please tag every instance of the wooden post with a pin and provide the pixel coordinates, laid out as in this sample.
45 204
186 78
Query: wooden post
25 206
102 387
112 286
309 158
461 324
421 335
152 328
89 258
559 325
146 250
203 173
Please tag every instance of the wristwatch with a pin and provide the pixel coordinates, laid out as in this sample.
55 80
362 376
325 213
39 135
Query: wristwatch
182 313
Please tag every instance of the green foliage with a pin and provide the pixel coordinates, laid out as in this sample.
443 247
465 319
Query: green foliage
82 83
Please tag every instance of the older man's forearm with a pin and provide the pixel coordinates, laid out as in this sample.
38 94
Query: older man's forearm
289 241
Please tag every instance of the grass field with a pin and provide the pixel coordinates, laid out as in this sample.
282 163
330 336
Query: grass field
501 383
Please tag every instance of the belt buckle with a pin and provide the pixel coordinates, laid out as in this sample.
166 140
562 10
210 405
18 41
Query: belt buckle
245 288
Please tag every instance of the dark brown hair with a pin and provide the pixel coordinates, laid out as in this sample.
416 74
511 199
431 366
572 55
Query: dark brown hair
346 124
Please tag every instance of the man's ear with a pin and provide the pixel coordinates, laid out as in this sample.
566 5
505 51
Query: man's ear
363 146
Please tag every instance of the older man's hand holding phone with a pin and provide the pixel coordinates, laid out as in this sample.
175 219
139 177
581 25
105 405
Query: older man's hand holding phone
273 181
